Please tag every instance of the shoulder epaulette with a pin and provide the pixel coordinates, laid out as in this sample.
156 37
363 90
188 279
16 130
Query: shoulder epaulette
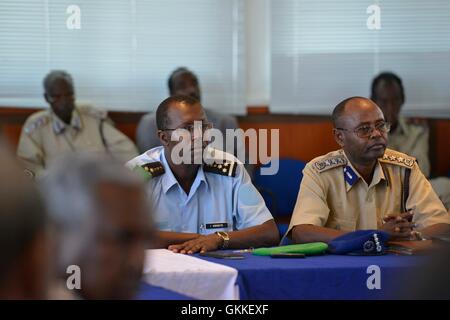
226 168
150 170
399 159
94 112
154 168
36 123
330 162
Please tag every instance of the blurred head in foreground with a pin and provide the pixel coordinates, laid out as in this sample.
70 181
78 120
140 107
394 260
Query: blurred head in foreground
24 239
99 209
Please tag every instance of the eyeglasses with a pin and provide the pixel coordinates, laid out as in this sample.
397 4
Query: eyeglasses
366 131
191 127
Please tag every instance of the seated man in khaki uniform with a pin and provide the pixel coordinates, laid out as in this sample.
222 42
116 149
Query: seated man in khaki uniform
407 136
364 185
65 127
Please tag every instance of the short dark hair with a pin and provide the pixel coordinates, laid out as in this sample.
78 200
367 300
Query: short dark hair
162 118
387 77
54 76
339 109
177 72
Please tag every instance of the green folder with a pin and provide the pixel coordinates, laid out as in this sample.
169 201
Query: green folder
312 248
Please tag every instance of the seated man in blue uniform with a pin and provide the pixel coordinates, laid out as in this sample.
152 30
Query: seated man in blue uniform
201 205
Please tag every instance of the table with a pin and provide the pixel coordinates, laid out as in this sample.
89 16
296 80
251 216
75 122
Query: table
320 277
149 292
190 276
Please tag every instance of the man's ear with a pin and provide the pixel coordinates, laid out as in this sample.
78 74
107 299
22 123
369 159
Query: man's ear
339 137
163 137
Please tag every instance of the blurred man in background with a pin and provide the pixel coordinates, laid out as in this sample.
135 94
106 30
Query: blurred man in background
182 81
24 236
408 136
65 127
100 212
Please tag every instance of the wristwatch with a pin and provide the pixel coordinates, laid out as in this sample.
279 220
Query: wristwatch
225 237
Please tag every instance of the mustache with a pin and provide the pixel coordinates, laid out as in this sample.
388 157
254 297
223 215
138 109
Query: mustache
377 143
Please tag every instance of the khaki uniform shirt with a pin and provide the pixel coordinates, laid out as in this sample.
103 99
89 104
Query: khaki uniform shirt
45 137
328 199
412 139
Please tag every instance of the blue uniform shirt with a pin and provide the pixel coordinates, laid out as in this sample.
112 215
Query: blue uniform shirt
215 202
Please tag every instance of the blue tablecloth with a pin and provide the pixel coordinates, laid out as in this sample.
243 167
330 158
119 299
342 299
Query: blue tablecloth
320 277
149 292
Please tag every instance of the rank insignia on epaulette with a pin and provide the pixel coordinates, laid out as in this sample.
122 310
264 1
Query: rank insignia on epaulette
329 163
36 124
154 168
399 160
150 170
225 169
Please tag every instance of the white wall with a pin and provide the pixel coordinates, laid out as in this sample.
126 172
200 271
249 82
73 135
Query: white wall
258 52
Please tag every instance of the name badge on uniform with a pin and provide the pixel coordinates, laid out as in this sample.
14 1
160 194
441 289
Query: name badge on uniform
216 225
350 176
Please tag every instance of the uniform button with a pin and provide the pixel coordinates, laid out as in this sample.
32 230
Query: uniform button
369 196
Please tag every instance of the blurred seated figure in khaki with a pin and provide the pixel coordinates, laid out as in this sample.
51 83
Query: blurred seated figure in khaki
24 238
66 127
100 212
410 136
364 185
